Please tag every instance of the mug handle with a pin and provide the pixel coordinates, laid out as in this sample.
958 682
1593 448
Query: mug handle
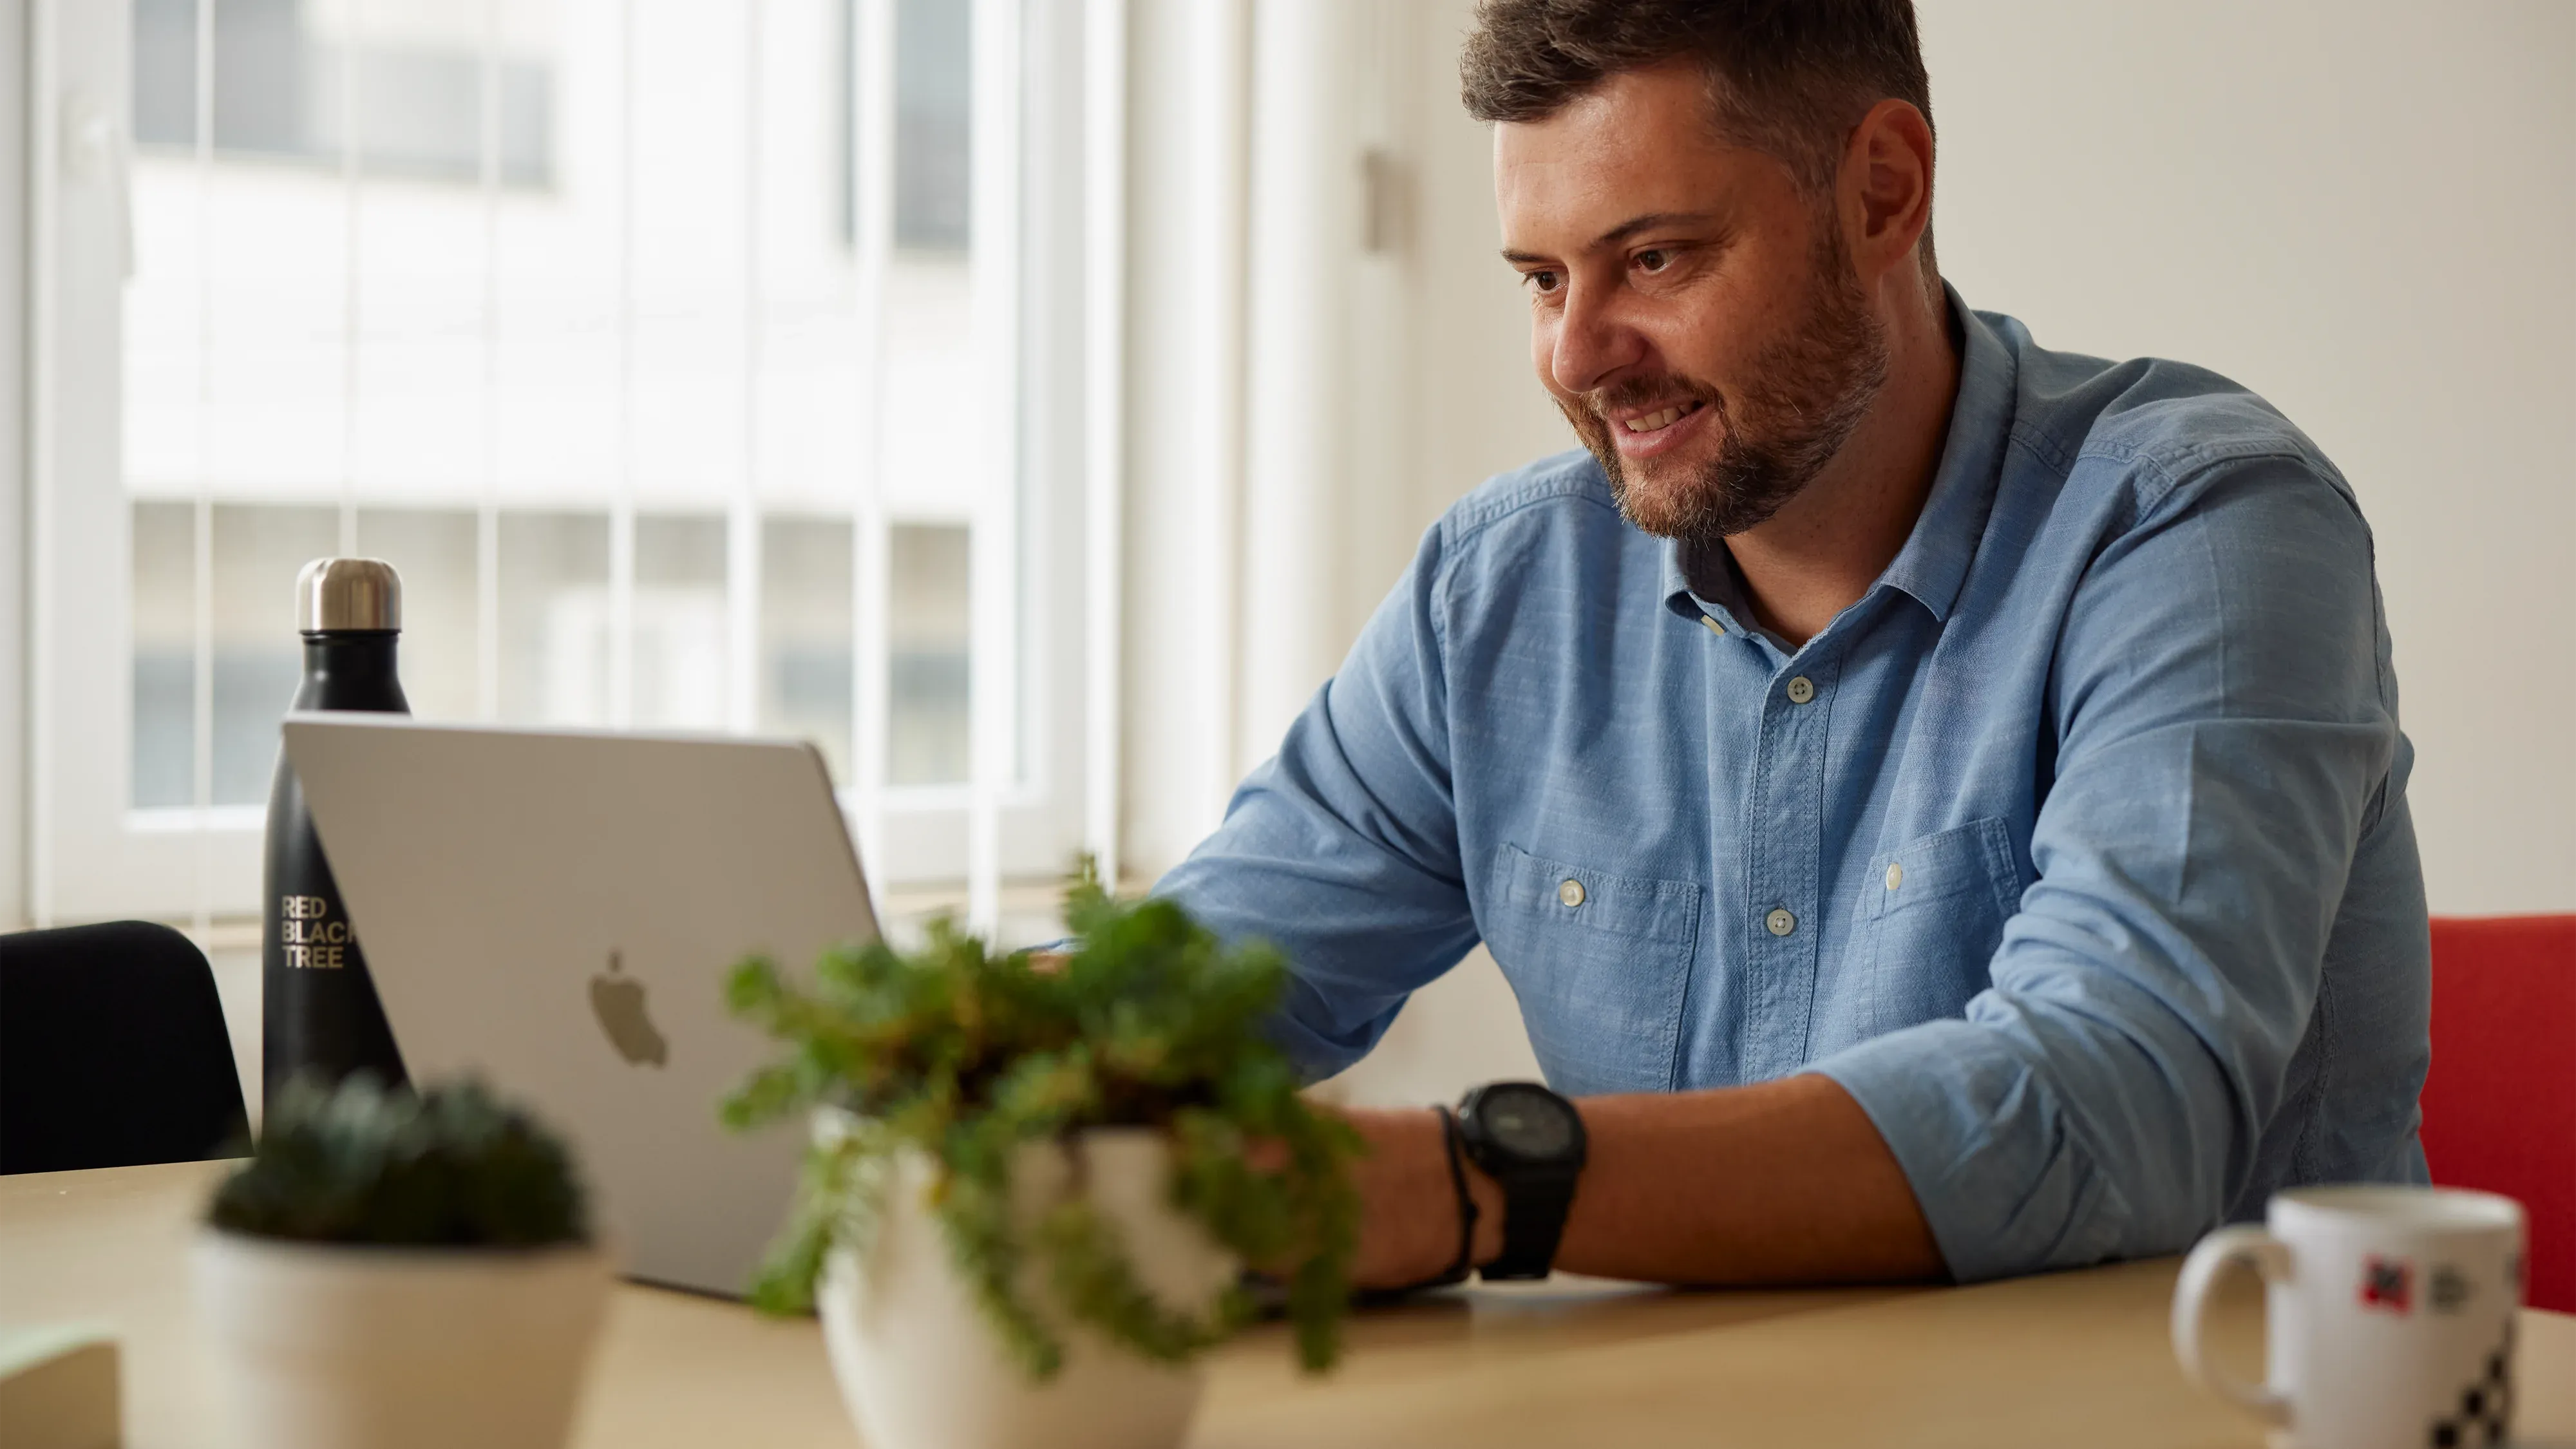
2228 1247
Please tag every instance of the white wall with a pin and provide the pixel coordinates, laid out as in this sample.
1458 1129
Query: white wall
1474 406
1454 402
13 463
1187 60
1288 441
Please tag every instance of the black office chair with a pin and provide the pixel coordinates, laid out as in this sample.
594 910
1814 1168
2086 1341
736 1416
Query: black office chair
112 1051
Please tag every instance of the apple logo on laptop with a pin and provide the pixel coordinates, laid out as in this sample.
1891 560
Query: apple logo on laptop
618 1000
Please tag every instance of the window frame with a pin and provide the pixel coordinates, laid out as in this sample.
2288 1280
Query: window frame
1036 629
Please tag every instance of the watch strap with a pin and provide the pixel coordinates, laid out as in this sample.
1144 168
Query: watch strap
1465 1262
1534 1212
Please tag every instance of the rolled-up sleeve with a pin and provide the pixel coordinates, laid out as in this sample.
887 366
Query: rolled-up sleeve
2225 737
1343 849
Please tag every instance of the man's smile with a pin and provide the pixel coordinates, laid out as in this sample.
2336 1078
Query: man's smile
1648 434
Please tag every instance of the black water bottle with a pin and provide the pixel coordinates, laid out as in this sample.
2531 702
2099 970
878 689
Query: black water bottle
320 1016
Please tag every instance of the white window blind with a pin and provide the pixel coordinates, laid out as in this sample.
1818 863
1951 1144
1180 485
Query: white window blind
700 366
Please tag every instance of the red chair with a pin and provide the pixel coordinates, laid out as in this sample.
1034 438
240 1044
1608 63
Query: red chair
2500 1103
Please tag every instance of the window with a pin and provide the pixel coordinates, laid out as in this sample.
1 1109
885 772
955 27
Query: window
682 357
287 81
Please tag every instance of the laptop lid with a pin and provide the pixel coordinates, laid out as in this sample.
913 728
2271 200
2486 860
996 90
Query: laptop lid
556 911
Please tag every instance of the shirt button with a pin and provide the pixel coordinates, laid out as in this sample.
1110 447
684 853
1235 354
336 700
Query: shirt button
1801 689
1895 875
1571 892
1780 922
1714 627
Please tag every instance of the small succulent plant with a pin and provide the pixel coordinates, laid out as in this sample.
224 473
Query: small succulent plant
450 1166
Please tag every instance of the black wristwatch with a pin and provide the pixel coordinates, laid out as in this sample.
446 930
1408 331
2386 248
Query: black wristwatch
1530 1141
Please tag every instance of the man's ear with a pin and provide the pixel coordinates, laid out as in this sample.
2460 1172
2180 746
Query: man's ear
1886 187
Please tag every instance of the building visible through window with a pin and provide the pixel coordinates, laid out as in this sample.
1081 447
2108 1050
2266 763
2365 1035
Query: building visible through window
933 135
286 89
572 310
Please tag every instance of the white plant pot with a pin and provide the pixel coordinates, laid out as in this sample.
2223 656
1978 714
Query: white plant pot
920 1368
326 1346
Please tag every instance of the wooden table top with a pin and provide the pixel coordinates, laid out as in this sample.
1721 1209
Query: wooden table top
2064 1359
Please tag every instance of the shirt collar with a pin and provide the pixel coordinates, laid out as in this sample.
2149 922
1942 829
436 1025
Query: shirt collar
1720 603
1934 562
1677 589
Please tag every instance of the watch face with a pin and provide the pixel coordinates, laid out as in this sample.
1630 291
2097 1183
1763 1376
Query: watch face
1527 1124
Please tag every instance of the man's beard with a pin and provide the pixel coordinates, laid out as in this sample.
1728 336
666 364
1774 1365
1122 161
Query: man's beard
1804 396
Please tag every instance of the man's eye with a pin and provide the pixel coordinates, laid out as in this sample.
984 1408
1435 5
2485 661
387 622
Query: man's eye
1654 259
1540 281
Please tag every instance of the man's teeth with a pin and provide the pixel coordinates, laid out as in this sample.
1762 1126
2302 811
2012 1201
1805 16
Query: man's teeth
1664 419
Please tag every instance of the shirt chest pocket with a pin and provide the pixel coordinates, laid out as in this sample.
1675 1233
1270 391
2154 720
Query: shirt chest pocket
1601 963
1931 914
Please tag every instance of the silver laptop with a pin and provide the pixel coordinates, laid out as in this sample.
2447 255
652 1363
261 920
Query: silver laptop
556 911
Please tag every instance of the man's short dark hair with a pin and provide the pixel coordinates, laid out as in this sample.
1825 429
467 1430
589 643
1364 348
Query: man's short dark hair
1788 78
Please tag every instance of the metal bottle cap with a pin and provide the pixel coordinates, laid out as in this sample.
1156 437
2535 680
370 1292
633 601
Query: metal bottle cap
333 594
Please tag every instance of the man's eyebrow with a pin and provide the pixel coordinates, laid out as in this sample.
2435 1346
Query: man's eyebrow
1617 234
1649 222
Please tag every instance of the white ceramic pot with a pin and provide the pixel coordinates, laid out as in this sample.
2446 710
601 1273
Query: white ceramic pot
323 1346
920 1369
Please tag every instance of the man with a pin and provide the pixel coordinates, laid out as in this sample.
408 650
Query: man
1938 801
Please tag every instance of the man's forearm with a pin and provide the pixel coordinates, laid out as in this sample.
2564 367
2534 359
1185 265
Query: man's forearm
1781 1182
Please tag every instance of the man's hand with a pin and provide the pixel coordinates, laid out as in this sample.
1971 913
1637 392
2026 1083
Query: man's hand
1781 1182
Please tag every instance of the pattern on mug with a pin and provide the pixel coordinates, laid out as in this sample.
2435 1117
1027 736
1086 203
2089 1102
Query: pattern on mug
2388 1284
2484 1413
2447 1289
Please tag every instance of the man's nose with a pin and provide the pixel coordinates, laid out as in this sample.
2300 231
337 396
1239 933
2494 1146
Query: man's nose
1592 343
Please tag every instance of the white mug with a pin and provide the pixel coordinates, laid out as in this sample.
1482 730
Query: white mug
2389 1315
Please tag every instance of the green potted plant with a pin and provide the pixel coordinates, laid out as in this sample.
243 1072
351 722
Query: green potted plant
1032 1185
396 1271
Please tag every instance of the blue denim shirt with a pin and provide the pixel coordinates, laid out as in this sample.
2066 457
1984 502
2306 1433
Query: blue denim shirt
2077 850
